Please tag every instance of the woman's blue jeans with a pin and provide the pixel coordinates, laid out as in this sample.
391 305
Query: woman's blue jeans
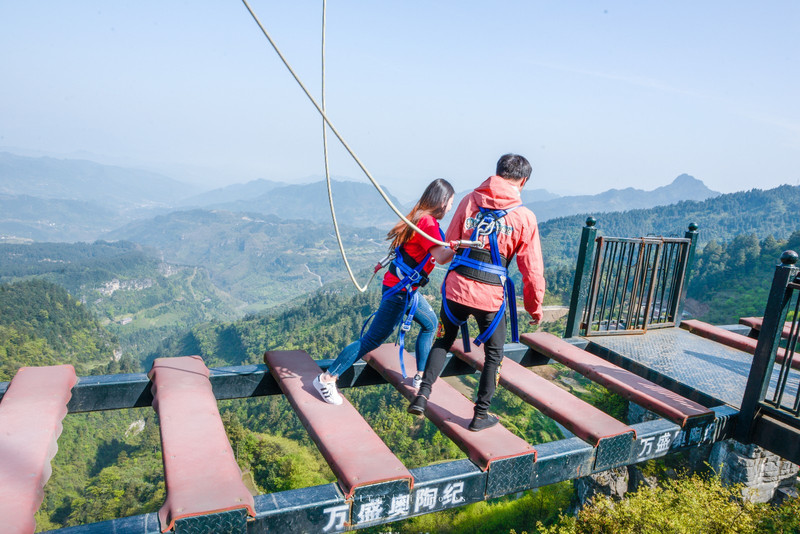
389 314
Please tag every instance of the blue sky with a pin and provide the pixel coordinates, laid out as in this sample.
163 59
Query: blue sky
596 94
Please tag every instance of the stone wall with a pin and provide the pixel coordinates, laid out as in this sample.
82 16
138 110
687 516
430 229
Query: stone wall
762 473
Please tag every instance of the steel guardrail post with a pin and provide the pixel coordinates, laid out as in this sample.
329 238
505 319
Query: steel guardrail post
580 285
768 340
680 296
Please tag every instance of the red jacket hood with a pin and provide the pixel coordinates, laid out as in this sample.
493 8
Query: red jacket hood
496 193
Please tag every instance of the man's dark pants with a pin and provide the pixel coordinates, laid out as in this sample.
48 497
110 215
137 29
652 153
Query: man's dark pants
493 350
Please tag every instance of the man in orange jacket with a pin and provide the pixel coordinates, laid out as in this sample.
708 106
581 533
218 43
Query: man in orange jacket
475 284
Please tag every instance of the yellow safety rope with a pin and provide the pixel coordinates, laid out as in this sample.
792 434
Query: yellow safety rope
337 134
360 288
326 121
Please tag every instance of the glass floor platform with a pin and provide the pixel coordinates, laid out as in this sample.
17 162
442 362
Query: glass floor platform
695 367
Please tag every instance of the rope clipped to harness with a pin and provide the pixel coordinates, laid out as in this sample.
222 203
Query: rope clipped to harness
326 123
472 264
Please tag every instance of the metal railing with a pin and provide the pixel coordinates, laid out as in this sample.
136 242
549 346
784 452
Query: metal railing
785 397
627 285
772 387
634 284
437 487
770 411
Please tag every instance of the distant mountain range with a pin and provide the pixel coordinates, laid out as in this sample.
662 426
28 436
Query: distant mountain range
536 195
231 193
72 179
269 260
757 212
360 204
54 219
356 203
267 242
684 187
49 199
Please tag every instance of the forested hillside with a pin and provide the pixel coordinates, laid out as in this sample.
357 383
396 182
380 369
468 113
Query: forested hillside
732 280
261 261
109 464
41 324
74 266
137 297
763 213
357 204
77 179
684 187
28 218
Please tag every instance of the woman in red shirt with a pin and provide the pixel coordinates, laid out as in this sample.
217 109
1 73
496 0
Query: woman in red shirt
412 251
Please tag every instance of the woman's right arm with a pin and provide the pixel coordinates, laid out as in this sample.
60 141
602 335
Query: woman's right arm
441 254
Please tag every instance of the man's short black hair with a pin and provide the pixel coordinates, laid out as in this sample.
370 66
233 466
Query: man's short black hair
513 167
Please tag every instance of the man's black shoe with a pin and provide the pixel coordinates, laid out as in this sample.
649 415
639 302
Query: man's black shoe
417 406
482 423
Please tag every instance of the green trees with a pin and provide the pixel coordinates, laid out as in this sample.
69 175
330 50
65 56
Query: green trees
273 462
41 324
732 280
107 468
685 505
501 515
721 219
321 324
108 465
132 485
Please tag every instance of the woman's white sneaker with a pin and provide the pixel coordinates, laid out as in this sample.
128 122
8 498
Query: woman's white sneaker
328 391
416 382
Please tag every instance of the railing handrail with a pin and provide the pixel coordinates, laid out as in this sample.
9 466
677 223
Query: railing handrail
123 391
650 294
646 239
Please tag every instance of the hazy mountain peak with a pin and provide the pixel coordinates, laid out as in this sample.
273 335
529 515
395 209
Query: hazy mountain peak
683 187
233 193
356 203
685 179
78 179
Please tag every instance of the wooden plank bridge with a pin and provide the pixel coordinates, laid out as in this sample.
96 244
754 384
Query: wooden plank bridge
706 384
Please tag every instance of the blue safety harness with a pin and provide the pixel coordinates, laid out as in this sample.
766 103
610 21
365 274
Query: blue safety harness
411 279
477 269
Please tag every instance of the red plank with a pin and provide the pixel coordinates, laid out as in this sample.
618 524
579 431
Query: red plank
355 453
579 417
201 473
451 412
33 407
755 324
730 339
629 385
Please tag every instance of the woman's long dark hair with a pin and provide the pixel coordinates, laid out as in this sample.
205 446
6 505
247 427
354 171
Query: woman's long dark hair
432 202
